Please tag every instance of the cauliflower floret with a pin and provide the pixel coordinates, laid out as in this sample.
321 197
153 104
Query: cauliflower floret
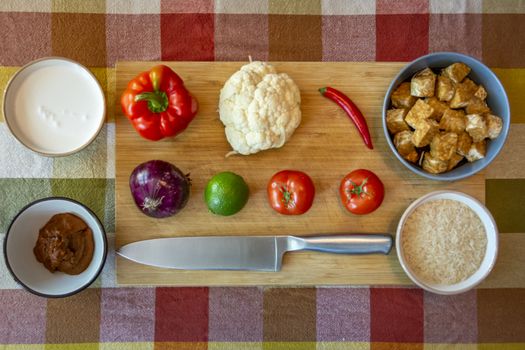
259 108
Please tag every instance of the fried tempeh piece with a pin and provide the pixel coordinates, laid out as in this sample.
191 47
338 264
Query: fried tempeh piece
445 88
425 132
404 145
481 93
401 97
454 161
477 106
395 120
464 143
438 106
443 146
418 113
477 151
423 83
453 120
463 94
476 127
433 165
494 125
456 71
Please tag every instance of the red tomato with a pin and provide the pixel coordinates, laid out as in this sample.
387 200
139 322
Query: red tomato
361 191
291 192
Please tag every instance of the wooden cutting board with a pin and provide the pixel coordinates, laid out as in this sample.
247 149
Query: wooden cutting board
326 146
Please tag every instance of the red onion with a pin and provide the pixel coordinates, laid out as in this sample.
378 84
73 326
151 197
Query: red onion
159 188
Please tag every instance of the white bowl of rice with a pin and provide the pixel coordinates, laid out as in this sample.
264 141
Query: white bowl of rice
447 242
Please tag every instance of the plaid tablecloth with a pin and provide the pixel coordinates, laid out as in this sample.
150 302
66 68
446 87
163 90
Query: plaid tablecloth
97 33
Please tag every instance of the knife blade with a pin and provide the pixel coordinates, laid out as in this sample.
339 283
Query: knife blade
260 253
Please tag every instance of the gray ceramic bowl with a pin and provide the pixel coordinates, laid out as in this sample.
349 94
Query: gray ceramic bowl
497 101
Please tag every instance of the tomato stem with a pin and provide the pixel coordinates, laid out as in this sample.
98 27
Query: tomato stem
287 197
358 190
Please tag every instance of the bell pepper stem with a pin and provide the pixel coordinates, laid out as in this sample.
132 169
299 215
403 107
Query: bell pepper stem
157 100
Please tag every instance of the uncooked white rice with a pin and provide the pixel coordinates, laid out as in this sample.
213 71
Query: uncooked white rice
444 241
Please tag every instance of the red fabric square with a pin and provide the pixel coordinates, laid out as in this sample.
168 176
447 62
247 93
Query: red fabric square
396 315
25 36
401 6
187 36
401 37
181 315
185 6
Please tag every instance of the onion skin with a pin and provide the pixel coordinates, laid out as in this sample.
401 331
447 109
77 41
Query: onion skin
159 188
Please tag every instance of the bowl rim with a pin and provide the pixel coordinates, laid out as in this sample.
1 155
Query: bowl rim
68 60
386 102
416 203
85 285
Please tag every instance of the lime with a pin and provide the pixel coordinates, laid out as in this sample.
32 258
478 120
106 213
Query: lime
226 193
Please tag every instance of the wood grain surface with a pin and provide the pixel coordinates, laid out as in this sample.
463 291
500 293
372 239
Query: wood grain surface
326 146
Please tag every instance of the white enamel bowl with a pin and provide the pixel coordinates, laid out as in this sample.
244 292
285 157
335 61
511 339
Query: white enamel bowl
491 252
54 106
22 236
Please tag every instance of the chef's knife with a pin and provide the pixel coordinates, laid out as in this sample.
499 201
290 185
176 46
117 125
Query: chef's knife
262 253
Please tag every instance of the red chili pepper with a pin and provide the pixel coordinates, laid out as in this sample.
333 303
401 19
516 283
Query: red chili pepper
157 103
351 109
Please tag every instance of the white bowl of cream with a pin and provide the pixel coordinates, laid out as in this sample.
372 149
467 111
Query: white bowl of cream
54 106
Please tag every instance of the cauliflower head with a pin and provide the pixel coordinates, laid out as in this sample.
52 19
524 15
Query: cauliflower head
259 108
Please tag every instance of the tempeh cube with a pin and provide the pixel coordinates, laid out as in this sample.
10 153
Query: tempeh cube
445 88
477 106
425 132
494 125
444 145
418 113
454 161
404 145
481 93
456 71
433 165
401 97
395 120
438 106
476 127
423 83
464 143
463 94
453 121
477 151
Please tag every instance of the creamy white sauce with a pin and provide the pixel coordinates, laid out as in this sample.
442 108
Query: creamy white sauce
58 107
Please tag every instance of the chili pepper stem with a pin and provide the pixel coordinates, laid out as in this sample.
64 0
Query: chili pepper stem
157 100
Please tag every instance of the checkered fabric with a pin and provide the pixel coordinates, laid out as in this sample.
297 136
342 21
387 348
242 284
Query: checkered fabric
98 33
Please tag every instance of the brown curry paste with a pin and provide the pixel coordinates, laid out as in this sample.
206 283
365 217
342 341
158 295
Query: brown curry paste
65 243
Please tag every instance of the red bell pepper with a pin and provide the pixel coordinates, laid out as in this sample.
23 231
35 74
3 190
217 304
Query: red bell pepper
157 103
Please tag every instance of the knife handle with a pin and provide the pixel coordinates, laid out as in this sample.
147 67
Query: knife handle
346 244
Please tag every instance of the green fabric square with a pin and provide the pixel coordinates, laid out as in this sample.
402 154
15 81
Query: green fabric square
90 192
16 194
505 198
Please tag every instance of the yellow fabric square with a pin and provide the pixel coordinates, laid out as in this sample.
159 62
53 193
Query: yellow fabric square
104 77
513 79
502 346
451 347
80 346
126 346
289 346
5 74
343 346
235 346
79 6
303 7
23 347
